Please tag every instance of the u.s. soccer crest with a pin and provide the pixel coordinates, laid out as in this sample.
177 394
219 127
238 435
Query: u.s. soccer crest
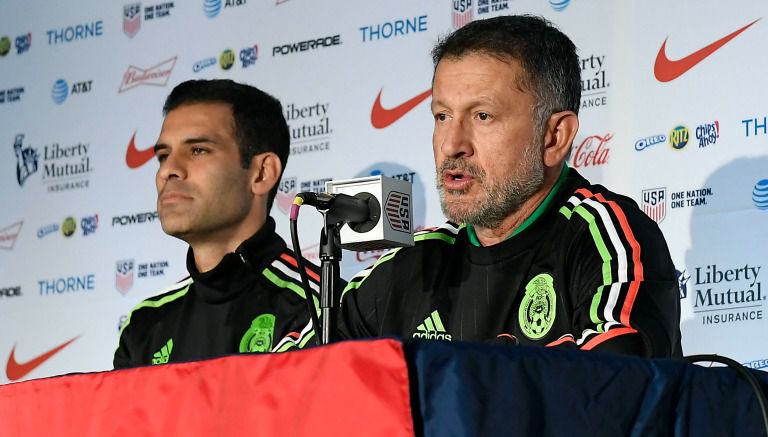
124 272
131 19
462 13
654 203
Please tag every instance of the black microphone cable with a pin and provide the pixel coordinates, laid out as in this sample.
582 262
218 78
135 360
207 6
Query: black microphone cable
294 216
744 373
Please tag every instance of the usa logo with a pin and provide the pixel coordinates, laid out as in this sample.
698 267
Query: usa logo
461 13
286 192
398 211
654 203
131 19
124 273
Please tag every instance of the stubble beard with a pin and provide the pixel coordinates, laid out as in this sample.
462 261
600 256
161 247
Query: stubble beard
501 198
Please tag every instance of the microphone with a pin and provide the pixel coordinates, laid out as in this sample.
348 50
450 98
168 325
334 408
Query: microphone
360 211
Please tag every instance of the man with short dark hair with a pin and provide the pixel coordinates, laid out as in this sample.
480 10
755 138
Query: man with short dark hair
533 253
222 150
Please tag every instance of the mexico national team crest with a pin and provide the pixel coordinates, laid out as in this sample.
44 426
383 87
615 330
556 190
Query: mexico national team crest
131 19
124 270
537 310
655 203
258 338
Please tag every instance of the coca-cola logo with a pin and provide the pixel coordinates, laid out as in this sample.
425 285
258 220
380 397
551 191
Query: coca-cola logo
592 151
157 75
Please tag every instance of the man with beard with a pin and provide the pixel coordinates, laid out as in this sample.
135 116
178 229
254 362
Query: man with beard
533 253
222 150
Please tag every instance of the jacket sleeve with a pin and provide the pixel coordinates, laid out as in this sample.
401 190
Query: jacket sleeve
622 282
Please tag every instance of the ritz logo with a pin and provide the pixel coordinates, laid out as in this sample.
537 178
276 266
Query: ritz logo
678 137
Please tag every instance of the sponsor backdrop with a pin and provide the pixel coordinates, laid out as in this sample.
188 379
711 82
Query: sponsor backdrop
673 114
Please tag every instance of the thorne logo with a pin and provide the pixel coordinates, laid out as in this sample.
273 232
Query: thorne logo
74 33
755 126
9 234
727 295
592 151
310 127
594 84
156 75
394 29
69 284
138 218
64 167
310 44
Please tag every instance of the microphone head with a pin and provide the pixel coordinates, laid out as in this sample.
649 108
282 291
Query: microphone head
391 227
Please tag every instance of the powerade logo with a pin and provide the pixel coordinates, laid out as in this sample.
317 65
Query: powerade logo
394 29
132 219
211 8
727 295
67 284
60 91
74 33
559 5
310 127
310 44
760 195
644 143
678 137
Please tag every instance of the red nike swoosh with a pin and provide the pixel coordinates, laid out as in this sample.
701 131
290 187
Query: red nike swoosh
666 69
15 371
382 117
134 157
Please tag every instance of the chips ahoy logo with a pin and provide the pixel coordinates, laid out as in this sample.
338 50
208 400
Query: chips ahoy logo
462 13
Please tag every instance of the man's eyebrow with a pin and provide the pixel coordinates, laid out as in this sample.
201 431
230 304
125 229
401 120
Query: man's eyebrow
188 141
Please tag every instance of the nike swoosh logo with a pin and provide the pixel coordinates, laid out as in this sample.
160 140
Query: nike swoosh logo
382 117
666 69
134 157
15 370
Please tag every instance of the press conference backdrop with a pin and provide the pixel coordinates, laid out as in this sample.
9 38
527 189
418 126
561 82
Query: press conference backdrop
673 114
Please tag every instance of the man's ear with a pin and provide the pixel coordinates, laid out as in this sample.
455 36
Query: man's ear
559 133
265 171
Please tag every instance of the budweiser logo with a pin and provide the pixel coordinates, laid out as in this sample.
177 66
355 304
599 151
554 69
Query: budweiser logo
157 75
592 151
9 234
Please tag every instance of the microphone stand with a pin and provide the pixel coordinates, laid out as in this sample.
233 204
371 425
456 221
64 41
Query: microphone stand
330 257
